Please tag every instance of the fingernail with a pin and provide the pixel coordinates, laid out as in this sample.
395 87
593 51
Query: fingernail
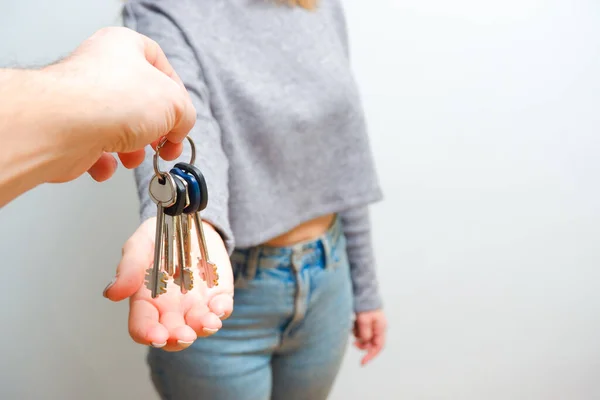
211 331
159 345
184 344
109 286
221 315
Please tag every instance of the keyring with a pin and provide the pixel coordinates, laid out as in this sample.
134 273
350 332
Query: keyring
162 142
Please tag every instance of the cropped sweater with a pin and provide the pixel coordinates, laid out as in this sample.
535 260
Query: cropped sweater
281 136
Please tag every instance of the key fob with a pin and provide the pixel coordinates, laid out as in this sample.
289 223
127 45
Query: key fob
195 172
177 208
193 190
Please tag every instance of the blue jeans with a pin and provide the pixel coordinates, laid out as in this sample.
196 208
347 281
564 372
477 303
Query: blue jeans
286 337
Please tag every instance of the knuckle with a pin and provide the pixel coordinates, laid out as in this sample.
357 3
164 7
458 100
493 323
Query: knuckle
125 141
103 31
112 30
177 99
106 32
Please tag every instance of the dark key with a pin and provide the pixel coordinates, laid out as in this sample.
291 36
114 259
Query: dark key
180 202
170 214
195 172
209 269
193 190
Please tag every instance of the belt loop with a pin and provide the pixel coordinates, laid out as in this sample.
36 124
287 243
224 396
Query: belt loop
252 262
326 241
335 231
330 240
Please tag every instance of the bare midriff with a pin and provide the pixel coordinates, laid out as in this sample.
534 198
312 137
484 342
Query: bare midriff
308 230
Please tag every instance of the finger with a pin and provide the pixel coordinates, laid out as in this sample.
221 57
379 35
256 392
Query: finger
185 113
221 305
374 347
372 352
144 327
170 151
377 342
132 159
155 56
203 321
361 345
365 329
185 118
180 335
104 168
137 257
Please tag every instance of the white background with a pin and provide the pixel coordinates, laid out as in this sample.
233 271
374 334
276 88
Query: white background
484 120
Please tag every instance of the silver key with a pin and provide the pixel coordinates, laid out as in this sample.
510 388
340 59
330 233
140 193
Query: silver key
184 278
182 274
170 228
209 269
186 225
164 195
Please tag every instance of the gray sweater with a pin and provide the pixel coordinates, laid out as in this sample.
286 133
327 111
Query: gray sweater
281 136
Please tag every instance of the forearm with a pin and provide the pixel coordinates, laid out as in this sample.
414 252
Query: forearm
28 135
357 229
210 156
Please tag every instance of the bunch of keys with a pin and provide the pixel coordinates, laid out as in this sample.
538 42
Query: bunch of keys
180 195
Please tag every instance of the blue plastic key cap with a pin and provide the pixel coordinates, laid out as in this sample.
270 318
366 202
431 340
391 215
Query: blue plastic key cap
195 172
193 189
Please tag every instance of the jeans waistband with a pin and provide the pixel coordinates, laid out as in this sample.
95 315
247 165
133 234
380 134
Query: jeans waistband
265 256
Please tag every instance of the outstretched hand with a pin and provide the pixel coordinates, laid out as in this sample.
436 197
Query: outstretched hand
172 321
120 93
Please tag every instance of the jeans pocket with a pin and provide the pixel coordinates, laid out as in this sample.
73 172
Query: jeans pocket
158 375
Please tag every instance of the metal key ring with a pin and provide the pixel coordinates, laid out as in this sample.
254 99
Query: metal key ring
160 145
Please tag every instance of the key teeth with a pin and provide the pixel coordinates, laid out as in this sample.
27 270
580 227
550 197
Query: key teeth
212 279
188 280
162 281
215 277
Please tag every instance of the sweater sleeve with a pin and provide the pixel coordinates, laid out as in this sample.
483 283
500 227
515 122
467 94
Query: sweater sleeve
356 224
357 229
155 22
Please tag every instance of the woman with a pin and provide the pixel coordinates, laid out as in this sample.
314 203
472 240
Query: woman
282 143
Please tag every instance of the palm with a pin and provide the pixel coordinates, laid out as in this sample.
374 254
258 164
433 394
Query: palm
172 320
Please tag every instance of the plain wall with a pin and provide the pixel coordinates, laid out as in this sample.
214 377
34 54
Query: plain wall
484 121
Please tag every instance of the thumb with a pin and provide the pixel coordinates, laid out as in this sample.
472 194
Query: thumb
137 258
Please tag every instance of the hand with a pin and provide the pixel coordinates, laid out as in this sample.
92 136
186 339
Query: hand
173 320
118 93
370 331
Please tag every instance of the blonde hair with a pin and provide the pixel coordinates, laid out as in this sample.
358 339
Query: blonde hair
308 4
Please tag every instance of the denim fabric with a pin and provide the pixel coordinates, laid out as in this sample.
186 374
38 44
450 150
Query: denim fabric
286 337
